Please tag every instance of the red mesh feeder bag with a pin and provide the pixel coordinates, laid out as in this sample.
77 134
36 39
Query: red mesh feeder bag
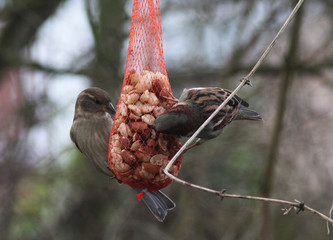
137 153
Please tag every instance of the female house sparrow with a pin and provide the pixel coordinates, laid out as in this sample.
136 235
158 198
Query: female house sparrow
195 105
90 132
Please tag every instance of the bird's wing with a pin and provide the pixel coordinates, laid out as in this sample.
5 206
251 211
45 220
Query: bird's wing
177 121
238 99
73 137
209 99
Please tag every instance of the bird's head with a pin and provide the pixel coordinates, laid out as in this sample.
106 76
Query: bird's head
93 101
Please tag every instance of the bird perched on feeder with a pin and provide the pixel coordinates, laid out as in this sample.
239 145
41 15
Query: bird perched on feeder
195 105
90 131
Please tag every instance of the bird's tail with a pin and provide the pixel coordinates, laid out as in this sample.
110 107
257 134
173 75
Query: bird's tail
246 114
157 202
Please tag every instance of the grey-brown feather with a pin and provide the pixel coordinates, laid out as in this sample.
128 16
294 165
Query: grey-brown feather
90 132
90 135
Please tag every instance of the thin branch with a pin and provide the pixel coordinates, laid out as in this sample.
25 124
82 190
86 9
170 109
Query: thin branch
297 204
283 28
330 215
15 60
91 21
245 80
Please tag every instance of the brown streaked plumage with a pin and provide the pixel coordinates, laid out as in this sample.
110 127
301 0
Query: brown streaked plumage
195 105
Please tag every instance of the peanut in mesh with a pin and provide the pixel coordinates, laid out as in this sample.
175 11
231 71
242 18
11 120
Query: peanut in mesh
138 152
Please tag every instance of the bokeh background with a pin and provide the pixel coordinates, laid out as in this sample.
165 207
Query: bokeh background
51 50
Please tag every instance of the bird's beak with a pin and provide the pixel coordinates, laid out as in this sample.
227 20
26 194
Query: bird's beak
109 108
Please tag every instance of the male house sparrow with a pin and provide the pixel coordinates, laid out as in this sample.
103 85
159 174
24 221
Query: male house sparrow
90 132
195 105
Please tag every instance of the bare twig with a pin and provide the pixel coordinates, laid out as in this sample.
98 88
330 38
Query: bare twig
330 216
246 80
300 206
269 48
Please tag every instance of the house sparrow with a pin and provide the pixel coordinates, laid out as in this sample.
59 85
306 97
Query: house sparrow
90 132
195 105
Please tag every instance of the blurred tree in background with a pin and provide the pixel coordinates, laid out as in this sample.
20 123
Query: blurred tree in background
51 50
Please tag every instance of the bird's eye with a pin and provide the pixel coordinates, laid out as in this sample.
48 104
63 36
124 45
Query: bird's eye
98 102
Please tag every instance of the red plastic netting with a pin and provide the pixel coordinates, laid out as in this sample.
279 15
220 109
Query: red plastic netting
137 153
